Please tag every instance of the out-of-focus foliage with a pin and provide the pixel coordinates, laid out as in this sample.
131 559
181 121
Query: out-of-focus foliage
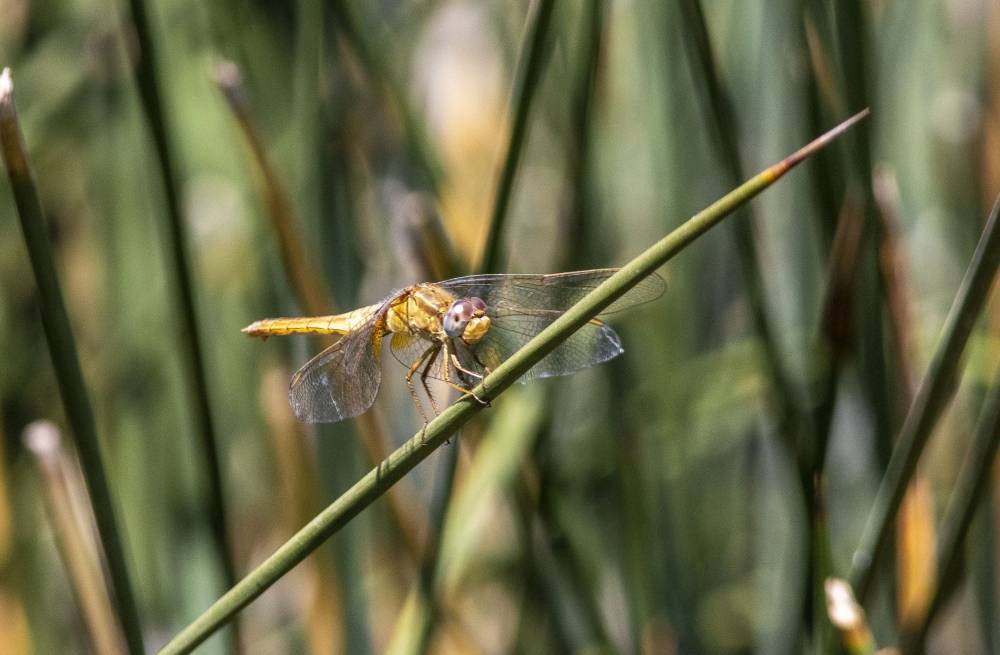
654 504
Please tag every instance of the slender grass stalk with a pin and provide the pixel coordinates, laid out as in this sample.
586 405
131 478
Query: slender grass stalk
582 249
194 361
62 347
934 393
969 492
304 277
851 27
76 546
819 569
414 451
719 105
915 541
529 73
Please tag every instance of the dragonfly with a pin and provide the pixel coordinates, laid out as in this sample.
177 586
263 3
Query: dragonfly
456 331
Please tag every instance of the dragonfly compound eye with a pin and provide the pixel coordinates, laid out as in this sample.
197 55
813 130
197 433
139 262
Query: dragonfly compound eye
478 304
457 317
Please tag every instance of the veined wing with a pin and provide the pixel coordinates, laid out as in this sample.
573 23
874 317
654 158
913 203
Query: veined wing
521 306
556 292
343 380
592 344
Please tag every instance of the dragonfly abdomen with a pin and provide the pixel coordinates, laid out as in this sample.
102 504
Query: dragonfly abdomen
338 324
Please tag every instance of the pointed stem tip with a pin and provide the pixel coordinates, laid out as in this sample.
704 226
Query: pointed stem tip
818 143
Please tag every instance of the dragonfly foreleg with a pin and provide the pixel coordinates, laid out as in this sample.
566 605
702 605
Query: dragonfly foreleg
475 358
449 355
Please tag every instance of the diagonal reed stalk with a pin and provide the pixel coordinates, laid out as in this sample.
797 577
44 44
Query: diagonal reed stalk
62 347
414 451
969 492
183 283
75 540
934 393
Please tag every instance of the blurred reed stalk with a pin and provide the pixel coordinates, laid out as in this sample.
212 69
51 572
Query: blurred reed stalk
836 342
62 347
579 235
915 551
724 127
72 525
837 324
970 491
146 75
312 295
570 598
306 282
444 484
804 437
933 396
442 428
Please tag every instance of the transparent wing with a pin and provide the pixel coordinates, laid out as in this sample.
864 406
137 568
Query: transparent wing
342 381
592 344
521 306
557 292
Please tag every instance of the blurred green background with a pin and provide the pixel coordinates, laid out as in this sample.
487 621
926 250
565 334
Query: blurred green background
655 504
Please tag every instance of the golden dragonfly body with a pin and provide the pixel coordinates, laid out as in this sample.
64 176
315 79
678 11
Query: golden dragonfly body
456 331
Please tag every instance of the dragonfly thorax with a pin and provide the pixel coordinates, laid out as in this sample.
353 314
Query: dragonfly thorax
430 312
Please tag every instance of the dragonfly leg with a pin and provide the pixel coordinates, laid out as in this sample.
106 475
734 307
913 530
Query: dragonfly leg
413 392
429 362
447 377
423 380
482 379
475 358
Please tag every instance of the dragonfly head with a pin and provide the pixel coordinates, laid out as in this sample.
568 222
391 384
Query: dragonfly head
466 318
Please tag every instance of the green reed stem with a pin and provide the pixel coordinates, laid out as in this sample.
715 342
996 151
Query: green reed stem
414 451
69 376
932 397
529 74
966 497
194 361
